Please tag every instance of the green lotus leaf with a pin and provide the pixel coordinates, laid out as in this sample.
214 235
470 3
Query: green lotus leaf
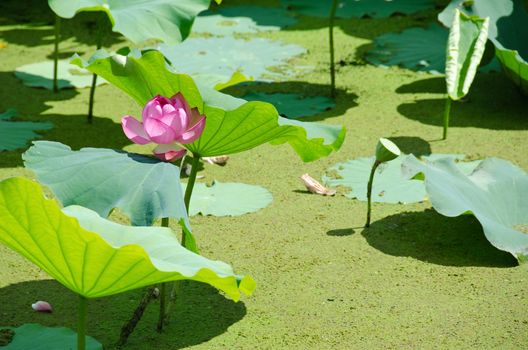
16 134
228 199
293 106
37 337
40 74
140 20
232 125
508 32
465 47
95 257
419 49
101 179
227 55
226 21
496 192
358 8
390 186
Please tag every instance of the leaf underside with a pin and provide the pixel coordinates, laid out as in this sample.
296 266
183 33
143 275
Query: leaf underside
95 257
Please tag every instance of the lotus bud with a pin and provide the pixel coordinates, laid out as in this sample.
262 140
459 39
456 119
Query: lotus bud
386 150
168 122
42 306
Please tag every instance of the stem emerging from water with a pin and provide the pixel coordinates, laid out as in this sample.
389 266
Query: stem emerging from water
447 111
331 40
99 44
56 53
164 293
369 190
81 324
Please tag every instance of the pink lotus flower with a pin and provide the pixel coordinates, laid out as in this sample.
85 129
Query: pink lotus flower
167 122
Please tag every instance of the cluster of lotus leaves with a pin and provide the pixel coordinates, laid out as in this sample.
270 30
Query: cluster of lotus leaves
496 192
95 257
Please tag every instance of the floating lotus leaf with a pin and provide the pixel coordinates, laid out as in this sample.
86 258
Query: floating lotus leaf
37 337
358 8
389 186
95 257
419 49
232 125
228 199
144 188
508 32
41 75
226 55
293 105
16 134
139 20
242 19
496 192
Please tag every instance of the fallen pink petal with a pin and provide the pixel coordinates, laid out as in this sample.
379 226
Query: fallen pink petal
42 306
315 186
220 160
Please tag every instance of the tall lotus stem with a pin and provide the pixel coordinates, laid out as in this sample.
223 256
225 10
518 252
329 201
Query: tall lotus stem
386 151
99 44
369 191
56 53
167 300
447 111
331 42
81 324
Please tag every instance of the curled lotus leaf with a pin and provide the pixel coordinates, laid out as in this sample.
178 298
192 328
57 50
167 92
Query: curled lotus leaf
95 257
139 20
496 192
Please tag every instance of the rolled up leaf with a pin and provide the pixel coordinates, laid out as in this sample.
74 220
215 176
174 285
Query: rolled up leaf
95 257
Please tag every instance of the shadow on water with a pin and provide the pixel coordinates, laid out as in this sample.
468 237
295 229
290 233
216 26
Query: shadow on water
412 144
433 238
200 314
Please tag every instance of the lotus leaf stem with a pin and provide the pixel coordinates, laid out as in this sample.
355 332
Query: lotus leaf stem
81 323
331 40
369 190
447 111
99 43
56 53
129 327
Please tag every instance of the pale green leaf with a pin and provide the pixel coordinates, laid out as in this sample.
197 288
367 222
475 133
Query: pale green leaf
101 179
389 185
140 20
465 47
37 337
232 125
17 134
228 199
95 257
496 192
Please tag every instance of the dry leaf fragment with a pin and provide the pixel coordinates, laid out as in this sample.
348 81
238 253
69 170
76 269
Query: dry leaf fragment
220 160
314 186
